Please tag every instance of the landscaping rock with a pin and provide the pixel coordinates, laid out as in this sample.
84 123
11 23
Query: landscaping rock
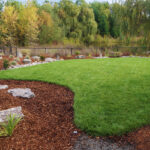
37 58
100 57
49 60
27 61
2 87
17 111
57 57
19 54
80 57
20 92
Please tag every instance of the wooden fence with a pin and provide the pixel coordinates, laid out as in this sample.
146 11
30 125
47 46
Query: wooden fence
71 51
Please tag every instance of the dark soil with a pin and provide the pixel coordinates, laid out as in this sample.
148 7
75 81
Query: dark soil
48 123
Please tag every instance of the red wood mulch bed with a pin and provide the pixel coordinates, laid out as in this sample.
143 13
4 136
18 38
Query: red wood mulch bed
1 64
48 122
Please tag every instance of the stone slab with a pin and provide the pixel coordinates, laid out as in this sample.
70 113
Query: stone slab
21 92
17 111
2 87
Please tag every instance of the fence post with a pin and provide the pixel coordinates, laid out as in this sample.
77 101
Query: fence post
16 52
100 53
96 52
71 51
4 50
45 51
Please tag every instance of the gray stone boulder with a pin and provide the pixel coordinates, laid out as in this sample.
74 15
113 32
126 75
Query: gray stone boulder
49 60
22 92
27 61
16 111
37 58
2 87
19 54
80 57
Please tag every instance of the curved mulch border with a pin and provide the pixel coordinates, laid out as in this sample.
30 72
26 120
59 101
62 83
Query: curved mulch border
48 122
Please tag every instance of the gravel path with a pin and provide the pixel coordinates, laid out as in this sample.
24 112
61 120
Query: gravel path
86 143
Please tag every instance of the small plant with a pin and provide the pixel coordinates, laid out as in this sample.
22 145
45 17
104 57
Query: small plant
14 63
11 56
5 64
8 128
27 57
42 58
77 52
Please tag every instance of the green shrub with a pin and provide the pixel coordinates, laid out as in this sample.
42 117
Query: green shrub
13 63
8 127
42 58
5 64
77 52
27 57
11 56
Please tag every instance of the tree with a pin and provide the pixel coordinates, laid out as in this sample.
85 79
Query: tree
101 12
28 28
115 20
8 27
87 24
49 25
68 13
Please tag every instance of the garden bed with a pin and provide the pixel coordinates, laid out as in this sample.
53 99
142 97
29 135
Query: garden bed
48 122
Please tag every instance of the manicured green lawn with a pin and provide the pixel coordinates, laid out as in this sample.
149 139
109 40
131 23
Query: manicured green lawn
112 96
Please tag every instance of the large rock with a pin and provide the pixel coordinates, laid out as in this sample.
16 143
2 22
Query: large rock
19 54
16 111
80 57
37 58
49 60
19 92
2 87
27 61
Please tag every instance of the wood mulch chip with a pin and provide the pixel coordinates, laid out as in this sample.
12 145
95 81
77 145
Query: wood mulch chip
48 122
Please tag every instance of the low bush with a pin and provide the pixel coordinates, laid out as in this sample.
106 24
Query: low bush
77 52
5 64
27 57
42 58
11 56
13 63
